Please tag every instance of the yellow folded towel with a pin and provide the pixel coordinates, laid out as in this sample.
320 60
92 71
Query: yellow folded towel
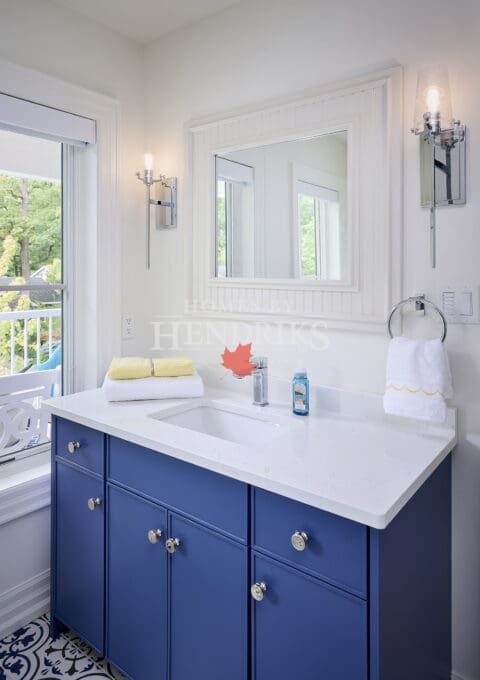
130 368
172 367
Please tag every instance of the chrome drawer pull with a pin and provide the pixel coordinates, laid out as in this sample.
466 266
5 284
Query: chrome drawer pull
258 591
73 446
299 540
172 545
93 503
154 535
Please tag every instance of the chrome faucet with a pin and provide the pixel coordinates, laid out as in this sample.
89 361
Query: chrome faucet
260 380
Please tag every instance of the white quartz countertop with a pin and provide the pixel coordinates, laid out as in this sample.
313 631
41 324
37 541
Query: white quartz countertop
356 463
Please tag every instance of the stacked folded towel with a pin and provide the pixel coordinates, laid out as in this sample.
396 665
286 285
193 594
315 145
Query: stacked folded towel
130 368
172 367
153 388
137 378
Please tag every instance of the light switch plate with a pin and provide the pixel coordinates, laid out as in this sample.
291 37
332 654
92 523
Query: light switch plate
460 303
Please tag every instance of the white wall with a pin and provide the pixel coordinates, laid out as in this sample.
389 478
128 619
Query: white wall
263 49
24 541
25 569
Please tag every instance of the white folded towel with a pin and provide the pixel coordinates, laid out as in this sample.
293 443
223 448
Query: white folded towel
153 388
418 379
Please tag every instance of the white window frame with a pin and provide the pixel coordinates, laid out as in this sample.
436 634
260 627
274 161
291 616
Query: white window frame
321 196
232 174
96 335
320 185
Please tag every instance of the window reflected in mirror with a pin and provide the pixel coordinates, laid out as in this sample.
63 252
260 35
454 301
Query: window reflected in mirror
281 211
319 232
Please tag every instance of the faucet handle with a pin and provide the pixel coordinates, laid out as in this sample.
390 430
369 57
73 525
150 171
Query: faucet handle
259 362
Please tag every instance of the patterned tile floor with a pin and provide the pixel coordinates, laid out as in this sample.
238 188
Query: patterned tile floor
31 654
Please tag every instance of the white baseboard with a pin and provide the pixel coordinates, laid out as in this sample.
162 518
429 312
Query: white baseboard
23 603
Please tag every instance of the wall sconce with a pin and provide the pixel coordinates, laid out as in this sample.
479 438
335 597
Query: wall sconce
442 147
169 184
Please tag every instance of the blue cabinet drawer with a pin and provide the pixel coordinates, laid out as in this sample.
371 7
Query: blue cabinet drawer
218 501
327 546
80 445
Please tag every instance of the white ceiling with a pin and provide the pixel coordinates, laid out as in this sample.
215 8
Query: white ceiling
146 20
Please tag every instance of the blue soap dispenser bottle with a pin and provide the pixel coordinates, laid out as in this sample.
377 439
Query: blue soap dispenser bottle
300 393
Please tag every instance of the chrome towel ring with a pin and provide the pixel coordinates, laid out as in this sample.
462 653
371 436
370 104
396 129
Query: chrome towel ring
420 302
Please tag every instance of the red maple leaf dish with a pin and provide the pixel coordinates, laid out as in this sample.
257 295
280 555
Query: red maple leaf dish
238 361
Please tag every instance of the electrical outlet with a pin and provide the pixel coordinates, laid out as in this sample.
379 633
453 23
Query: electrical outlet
128 327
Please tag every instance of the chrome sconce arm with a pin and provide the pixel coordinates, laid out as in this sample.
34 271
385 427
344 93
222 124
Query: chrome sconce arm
170 187
442 149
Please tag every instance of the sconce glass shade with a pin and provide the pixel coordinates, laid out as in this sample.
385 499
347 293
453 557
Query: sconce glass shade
148 159
433 96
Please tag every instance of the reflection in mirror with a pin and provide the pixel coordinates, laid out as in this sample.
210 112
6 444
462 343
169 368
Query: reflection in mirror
281 210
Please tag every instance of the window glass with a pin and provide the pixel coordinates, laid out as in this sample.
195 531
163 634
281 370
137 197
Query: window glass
30 284
308 245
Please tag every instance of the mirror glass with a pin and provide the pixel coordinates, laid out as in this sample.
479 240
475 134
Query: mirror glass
281 210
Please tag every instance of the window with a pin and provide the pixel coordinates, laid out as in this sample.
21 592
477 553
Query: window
319 232
31 251
36 147
235 220
31 285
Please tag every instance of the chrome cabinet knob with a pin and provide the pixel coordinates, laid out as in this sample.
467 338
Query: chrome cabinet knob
172 545
258 591
299 540
154 535
93 503
73 446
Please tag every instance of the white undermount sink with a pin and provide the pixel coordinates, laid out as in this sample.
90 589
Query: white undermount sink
234 425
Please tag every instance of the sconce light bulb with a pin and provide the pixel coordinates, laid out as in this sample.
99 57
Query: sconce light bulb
148 161
433 100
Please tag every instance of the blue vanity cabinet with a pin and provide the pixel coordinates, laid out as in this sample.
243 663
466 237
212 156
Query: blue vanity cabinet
136 585
78 554
209 604
304 628
179 573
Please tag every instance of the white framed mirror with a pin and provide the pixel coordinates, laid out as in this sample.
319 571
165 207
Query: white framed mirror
296 207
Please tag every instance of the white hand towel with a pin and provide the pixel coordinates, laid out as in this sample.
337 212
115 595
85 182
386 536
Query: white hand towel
418 379
153 388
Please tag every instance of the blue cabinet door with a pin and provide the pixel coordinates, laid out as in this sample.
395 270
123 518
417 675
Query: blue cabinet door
79 553
304 628
136 586
209 603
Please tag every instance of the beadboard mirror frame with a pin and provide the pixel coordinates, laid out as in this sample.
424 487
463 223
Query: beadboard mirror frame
370 109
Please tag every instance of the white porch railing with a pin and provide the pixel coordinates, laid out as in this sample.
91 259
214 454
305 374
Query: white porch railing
30 314
23 422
